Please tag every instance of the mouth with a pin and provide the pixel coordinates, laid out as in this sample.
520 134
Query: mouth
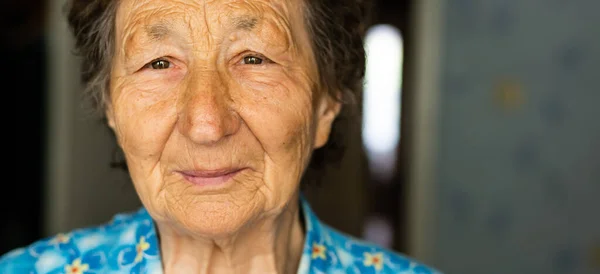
210 177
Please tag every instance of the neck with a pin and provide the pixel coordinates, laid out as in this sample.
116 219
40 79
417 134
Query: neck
269 245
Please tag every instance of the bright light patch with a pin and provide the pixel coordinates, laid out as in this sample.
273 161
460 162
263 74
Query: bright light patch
128 236
379 230
90 242
382 97
49 261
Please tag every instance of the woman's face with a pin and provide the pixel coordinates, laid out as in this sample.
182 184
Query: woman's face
214 104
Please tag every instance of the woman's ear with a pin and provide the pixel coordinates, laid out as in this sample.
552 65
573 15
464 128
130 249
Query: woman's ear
328 110
110 118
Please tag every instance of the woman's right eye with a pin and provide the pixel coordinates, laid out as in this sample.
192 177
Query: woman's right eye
160 64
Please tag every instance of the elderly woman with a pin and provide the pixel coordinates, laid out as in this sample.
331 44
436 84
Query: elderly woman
218 106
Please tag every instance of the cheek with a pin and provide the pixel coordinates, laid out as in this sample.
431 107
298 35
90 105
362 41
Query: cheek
144 119
280 115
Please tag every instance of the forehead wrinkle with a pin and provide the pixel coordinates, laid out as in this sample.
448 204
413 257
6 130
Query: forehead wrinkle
285 25
141 28
272 20
173 21
280 33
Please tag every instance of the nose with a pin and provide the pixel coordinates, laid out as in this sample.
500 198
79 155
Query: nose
206 115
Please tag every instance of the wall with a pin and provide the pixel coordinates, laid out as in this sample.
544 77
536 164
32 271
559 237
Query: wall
518 165
82 189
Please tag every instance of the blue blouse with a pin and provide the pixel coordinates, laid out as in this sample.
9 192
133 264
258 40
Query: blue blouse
129 245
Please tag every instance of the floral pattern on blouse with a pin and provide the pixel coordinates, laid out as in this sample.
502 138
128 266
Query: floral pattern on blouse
129 245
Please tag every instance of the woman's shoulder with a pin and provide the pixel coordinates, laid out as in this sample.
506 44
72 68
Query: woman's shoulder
362 257
88 248
328 250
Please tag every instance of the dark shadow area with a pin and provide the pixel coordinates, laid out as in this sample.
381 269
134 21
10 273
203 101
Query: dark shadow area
24 83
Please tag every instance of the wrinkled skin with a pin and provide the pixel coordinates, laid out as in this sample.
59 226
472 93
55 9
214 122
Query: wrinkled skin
187 94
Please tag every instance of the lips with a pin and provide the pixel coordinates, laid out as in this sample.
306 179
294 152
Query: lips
210 177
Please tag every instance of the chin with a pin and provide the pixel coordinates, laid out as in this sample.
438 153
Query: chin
215 219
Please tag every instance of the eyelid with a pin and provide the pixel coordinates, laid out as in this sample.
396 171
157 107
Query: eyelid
175 63
163 58
239 59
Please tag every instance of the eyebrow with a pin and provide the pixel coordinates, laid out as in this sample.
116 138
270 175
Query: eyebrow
245 23
158 31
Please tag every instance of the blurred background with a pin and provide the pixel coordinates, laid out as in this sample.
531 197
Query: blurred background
478 149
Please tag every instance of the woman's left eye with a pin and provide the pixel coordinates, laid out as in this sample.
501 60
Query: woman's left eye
160 64
252 60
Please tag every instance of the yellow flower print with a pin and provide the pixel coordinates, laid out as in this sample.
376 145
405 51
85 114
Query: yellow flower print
76 267
140 248
60 239
374 259
318 251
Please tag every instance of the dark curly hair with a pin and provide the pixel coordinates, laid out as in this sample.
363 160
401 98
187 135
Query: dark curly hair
336 27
